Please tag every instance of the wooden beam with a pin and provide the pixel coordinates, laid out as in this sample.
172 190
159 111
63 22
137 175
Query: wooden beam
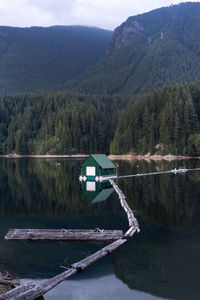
46 285
12 294
132 221
64 234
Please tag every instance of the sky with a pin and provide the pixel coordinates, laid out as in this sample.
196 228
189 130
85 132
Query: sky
107 14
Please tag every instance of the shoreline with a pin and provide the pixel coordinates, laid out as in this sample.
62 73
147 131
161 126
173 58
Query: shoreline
44 156
154 157
147 157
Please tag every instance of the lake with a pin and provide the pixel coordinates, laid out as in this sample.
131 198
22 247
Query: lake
161 262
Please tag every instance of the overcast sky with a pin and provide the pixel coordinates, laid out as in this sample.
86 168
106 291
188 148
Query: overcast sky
106 14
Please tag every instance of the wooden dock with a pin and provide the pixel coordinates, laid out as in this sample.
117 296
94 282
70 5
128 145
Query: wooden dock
64 234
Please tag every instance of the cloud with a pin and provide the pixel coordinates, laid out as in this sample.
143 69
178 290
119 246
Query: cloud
101 13
22 13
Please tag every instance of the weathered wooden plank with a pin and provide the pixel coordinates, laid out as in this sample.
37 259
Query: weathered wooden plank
17 291
130 232
48 284
132 221
64 234
81 265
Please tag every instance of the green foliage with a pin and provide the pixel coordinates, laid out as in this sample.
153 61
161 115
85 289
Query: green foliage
57 123
165 121
43 59
194 144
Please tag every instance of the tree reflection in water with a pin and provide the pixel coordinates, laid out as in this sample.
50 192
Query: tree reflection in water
162 260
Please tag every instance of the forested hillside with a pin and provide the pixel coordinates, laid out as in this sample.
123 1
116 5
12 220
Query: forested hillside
147 52
166 121
43 59
57 123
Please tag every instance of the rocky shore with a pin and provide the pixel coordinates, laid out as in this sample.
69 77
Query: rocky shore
147 157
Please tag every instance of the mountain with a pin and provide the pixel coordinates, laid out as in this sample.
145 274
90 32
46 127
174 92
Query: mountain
148 51
42 59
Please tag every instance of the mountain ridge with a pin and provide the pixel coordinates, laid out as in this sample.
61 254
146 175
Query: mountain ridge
148 51
38 59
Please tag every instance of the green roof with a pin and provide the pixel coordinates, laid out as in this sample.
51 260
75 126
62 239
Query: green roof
103 161
103 195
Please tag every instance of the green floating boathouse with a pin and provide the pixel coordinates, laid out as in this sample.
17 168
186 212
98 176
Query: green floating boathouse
97 167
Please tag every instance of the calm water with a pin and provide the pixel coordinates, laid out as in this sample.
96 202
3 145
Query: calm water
161 262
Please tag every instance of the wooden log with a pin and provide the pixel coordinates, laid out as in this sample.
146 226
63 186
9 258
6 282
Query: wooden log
132 230
44 287
17 291
7 282
99 254
130 215
126 209
64 234
128 232
48 284
132 221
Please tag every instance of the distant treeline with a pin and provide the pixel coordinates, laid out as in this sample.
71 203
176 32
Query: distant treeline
165 121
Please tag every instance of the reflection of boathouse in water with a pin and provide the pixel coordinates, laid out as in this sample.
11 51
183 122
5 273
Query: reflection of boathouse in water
97 167
96 191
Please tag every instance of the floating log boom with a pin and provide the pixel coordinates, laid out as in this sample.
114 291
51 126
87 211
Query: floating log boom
12 294
174 171
133 223
31 291
64 234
